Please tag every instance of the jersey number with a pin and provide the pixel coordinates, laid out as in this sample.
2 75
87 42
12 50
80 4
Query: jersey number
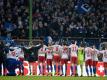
13 53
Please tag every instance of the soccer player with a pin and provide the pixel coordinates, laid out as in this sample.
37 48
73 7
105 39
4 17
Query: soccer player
105 60
73 54
31 55
49 58
81 58
64 58
56 58
42 58
88 60
95 52
12 61
20 55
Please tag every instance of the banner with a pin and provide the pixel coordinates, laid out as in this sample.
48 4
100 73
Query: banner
100 69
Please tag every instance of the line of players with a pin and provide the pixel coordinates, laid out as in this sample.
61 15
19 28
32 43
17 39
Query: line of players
58 55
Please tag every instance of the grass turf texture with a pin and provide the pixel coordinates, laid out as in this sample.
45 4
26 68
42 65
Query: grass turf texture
49 78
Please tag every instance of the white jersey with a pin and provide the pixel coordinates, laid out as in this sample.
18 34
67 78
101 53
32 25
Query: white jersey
12 53
56 49
49 54
19 52
42 51
88 53
64 53
95 52
104 55
73 50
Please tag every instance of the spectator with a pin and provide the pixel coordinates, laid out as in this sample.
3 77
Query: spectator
54 17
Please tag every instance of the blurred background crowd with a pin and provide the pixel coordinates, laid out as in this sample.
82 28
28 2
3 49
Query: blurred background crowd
56 18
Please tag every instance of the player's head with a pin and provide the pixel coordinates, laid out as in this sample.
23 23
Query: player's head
49 44
73 42
82 44
64 43
50 47
93 46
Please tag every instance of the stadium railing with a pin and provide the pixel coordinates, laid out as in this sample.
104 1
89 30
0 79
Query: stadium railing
90 41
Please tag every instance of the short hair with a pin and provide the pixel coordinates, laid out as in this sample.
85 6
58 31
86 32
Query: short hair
73 42
82 44
64 43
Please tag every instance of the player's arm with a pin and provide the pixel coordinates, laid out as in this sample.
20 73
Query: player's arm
60 50
69 50
36 47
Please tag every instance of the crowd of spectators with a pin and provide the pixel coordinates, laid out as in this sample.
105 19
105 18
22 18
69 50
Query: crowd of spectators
56 18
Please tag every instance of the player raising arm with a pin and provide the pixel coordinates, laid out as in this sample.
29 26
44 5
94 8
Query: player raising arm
73 57
64 58
56 58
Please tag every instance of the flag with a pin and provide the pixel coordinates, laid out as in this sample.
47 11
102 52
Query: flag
100 69
82 7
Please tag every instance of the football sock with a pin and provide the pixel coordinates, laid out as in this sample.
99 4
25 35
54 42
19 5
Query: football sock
90 69
94 70
87 70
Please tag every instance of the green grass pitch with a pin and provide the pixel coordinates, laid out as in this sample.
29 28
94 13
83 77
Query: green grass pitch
49 78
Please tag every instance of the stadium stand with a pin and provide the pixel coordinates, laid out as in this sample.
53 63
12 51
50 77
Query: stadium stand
55 18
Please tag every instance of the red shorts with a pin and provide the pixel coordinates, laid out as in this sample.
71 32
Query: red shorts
105 64
49 61
74 60
95 63
41 59
64 61
56 58
21 59
88 62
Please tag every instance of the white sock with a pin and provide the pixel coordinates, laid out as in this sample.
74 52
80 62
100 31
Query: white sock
53 70
49 69
79 70
64 69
